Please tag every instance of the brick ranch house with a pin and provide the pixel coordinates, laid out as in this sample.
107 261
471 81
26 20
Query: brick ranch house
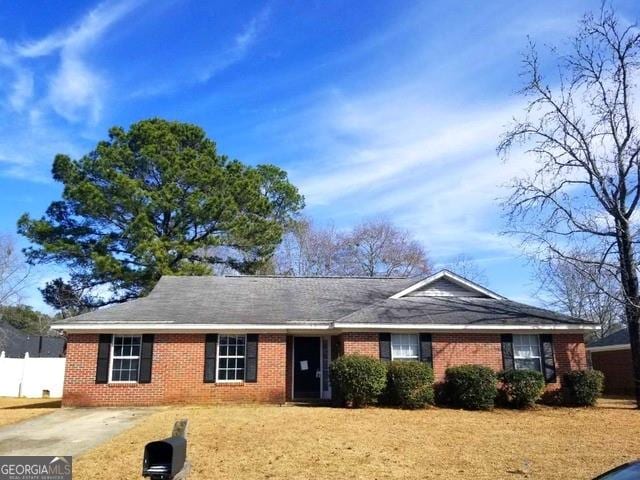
612 356
271 339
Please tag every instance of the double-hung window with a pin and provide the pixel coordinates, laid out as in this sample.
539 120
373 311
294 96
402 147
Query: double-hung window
526 352
405 347
125 358
231 357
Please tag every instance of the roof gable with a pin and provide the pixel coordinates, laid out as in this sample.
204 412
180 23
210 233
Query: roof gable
446 284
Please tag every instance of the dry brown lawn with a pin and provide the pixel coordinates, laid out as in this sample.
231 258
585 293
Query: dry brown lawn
16 409
271 442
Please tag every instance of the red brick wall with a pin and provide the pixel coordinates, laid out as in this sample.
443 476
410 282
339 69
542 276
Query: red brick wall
570 353
178 367
450 349
617 368
362 343
177 374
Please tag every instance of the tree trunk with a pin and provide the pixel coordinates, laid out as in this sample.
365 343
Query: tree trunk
629 279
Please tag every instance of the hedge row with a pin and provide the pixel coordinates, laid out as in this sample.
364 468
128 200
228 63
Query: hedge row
359 381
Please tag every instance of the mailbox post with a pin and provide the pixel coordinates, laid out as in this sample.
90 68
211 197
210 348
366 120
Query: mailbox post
167 459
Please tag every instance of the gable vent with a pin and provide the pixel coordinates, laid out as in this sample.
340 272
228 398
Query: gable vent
445 288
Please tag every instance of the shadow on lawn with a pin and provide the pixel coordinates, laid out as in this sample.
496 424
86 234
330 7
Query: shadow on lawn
51 404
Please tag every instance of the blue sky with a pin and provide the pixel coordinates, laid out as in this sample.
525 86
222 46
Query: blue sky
379 108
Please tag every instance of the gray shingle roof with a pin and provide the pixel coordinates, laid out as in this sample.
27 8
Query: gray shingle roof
619 337
456 311
253 300
296 300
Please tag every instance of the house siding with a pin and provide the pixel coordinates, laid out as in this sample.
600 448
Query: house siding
178 367
445 288
617 368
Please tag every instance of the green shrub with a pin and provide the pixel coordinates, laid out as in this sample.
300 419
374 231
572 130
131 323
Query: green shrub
473 387
583 387
358 380
410 384
522 388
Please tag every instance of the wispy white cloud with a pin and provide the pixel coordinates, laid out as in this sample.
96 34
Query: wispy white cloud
83 34
210 65
21 89
242 43
76 89
432 171
413 149
41 112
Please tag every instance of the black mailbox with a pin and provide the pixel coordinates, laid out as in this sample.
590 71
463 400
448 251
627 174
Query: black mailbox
163 459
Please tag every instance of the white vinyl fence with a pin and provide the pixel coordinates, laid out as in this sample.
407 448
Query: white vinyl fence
31 377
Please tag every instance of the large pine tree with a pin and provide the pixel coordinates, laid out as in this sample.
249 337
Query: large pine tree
154 200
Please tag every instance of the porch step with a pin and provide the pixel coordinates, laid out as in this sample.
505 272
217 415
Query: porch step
308 403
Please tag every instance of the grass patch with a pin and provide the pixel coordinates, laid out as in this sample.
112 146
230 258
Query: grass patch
270 442
17 409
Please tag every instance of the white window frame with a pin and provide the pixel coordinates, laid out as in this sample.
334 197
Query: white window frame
413 357
124 357
539 356
218 380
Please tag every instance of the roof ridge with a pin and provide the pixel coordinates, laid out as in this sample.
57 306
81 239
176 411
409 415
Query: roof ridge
319 277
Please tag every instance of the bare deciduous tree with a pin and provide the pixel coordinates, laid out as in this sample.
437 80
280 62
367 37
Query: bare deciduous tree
583 133
567 289
377 248
307 250
14 271
465 266
373 249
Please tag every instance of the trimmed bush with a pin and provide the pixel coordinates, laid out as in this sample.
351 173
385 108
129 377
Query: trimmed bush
521 388
358 380
473 387
583 387
410 384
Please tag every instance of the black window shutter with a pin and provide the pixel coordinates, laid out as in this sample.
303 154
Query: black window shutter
104 352
507 351
210 351
548 363
426 353
251 362
385 346
146 359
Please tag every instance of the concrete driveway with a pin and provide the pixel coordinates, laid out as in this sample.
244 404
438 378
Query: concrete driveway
68 431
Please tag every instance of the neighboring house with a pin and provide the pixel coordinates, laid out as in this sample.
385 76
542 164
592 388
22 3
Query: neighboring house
243 338
612 356
16 343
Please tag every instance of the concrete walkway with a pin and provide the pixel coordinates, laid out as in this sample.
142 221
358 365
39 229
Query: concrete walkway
68 431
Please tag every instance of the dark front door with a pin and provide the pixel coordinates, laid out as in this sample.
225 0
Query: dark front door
306 367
